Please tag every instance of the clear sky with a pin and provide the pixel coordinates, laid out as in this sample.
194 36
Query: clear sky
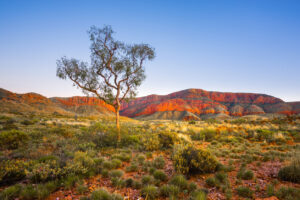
225 45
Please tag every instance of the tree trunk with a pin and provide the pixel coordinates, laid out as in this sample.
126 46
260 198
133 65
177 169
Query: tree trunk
118 122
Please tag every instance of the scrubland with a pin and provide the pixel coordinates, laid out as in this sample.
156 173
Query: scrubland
59 157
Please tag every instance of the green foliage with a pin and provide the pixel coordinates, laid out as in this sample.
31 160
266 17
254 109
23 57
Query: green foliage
187 159
160 175
29 193
158 162
149 192
245 174
167 139
45 171
116 173
146 180
211 182
180 181
102 194
12 171
270 190
244 192
169 191
11 192
70 181
151 142
12 139
288 193
198 195
291 173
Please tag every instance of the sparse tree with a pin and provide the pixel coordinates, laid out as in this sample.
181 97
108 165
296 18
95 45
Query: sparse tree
115 71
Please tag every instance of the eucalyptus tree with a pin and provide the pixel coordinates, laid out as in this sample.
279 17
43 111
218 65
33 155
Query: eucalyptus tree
115 71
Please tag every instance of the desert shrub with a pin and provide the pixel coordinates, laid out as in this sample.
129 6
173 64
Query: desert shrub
292 172
221 177
45 171
102 194
288 193
192 187
146 180
188 159
116 173
141 158
151 142
244 192
169 191
137 185
132 168
129 182
149 192
210 134
11 192
9 124
160 175
123 157
198 195
27 122
180 181
245 174
82 164
28 193
12 171
117 182
70 181
12 139
270 190
116 163
107 165
264 134
105 173
158 162
81 189
192 122
167 139
211 182
198 136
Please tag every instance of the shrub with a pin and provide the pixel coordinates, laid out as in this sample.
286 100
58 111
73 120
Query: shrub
116 163
117 182
169 191
288 193
102 194
159 162
116 174
12 139
198 195
129 182
149 192
167 139
211 182
180 181
192 187
146 180
28 193
81 189
70 181
11 192
160 175
221 177
290 173
151 142
270 190
132 168
12 171
244 192
245 174
45 171
188 159
105 173
198 136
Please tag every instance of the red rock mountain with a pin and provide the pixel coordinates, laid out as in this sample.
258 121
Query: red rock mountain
191 104
197 103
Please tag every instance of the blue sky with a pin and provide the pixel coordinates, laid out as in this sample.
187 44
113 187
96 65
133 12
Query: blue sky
230 46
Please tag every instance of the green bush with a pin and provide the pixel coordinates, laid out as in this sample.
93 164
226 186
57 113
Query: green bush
12 171
132 168
244 192
290 173
11 192
102 194
151 142
116 173
169 191
12 139
180 181
147 180
159 162
187 159
288 193
29 193
211 182
167 139
45 171
198 195
160 175
149 192
245 174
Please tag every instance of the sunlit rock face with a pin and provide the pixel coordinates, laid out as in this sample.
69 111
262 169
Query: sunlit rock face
200 103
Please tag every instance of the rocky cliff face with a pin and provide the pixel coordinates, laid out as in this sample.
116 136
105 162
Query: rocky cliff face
201 103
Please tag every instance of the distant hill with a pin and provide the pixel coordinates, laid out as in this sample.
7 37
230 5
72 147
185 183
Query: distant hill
190 104
35 103
198 103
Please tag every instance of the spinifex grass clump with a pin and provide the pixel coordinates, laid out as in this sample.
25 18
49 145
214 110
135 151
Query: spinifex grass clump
188 160
292 172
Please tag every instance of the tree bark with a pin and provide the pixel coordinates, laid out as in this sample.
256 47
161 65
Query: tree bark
118 122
